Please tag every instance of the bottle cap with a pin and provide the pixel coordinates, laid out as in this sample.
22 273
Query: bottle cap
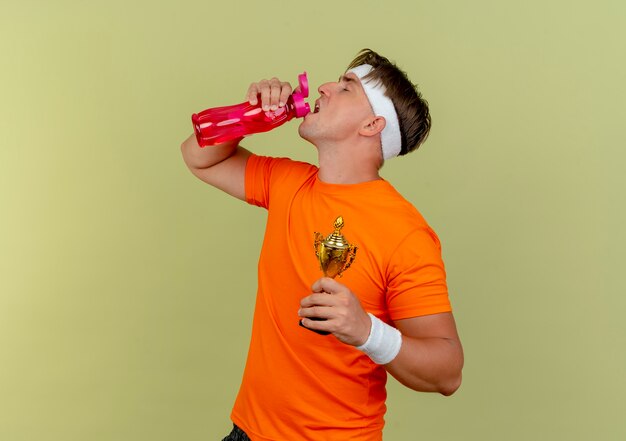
301 107
303 81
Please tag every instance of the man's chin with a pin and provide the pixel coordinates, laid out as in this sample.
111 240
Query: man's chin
309 132
304 132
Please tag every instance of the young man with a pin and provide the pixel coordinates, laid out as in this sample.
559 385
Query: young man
389 312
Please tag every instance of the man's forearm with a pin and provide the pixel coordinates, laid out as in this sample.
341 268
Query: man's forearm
200 158
428 364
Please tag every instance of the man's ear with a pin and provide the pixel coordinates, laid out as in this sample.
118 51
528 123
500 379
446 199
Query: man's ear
373 126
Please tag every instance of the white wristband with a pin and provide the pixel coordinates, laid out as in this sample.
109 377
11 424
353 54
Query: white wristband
383 343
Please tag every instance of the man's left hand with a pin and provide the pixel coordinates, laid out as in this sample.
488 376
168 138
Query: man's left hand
345 317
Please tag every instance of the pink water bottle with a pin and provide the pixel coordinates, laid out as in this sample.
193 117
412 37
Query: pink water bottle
220 124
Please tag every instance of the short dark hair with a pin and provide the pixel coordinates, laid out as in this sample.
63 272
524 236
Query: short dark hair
412 109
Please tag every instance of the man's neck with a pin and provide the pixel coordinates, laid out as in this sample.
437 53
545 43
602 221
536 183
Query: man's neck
341 167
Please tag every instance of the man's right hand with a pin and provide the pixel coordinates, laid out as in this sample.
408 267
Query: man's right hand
274 93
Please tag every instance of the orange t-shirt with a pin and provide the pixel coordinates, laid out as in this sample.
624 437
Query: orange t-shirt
299 385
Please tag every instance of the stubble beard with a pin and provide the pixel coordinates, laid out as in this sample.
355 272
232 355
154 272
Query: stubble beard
307 133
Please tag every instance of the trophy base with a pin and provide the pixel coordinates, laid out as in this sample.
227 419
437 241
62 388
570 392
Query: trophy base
314 330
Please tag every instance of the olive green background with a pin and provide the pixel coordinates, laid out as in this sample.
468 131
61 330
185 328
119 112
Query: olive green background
127 285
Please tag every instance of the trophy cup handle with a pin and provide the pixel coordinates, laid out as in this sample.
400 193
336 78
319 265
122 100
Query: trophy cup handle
350 255
318 239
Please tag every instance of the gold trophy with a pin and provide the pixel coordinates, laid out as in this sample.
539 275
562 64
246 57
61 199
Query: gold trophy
335 255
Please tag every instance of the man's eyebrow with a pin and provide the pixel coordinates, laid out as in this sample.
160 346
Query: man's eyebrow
347 79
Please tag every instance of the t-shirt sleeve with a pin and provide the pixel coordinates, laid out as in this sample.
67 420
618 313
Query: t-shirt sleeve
416 277
268 177
259 170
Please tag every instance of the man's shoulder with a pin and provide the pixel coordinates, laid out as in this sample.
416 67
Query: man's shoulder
396 205
280 163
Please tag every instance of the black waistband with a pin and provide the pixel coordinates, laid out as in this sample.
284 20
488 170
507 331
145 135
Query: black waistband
237 435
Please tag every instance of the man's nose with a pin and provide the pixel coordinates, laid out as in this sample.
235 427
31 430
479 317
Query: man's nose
324 89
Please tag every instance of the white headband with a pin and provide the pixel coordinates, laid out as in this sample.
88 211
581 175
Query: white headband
390 136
